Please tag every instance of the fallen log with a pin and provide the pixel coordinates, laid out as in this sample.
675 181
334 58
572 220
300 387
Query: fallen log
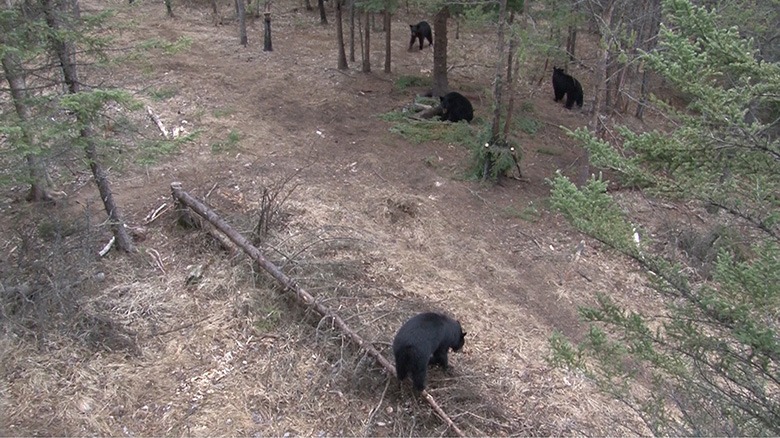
302 295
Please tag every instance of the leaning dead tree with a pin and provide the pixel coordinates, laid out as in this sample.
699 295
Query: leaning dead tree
303 297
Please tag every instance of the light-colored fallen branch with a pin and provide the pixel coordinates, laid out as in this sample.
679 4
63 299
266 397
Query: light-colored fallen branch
158 122
151 217
108 246
301 294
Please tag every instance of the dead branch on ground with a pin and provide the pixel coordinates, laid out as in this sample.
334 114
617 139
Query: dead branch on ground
302 295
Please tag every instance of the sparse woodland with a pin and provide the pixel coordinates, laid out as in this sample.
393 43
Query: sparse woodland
617 266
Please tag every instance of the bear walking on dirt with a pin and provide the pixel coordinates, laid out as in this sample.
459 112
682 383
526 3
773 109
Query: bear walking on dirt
421 30
422 340
566 84
456 107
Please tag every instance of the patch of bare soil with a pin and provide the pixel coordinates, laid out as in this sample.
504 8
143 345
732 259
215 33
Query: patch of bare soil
377 227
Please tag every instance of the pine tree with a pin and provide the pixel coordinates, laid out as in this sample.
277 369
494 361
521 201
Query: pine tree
711 362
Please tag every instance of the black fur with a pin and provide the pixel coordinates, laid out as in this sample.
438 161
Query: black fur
425 339
421 30
456 107
566 84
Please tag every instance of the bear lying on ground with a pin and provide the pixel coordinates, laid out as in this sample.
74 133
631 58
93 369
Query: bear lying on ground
456 107
422 340
566 84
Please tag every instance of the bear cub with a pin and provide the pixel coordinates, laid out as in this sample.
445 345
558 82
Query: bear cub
566 84
456 107
421 30
422 340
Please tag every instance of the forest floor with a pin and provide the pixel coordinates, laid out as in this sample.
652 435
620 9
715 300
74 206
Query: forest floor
377 226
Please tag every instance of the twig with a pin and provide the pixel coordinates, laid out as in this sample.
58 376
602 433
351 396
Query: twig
157 259
478 197
158 122
151 217
212 189
184 326
108 246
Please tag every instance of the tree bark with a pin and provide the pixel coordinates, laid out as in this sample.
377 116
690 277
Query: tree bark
14 73
441 84
241 12
649 41
571 38
169 8
351 30
512 70
498 86
65 53
388 41
267 44
595 124
342 62
367 47
323 17
303 296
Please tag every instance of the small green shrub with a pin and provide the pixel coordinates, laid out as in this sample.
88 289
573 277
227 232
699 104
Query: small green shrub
527 125
493 160
529 214
424 131
228 145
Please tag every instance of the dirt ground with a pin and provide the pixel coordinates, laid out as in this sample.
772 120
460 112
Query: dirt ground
378 227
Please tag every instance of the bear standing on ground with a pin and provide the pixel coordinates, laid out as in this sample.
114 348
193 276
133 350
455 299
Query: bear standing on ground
566 84
456 107
421 30
422 340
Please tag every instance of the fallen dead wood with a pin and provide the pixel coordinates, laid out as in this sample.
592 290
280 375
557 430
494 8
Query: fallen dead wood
156 119
426 111
290 285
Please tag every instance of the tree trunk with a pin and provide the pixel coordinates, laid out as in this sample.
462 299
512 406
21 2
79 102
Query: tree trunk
241 12
340 36
14 73
571 38
649 41
323 17
367 48
308 5
512 69
388 42
351 30
595 125
169 7
498 86
267 45
65 53
441 84
571 42
215 13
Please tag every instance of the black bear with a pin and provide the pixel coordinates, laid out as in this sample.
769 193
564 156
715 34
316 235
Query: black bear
421 30
566 84
456 107
422 340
